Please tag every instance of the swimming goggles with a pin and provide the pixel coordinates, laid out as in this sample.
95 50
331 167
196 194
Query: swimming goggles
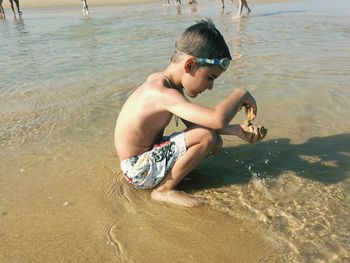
222 63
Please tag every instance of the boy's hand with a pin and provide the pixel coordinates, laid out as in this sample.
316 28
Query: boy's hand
250 106
249 111
251 133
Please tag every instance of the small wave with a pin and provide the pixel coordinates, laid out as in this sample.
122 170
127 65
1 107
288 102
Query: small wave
112 241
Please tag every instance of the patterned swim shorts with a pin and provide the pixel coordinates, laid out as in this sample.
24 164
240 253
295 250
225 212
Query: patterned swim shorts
148 169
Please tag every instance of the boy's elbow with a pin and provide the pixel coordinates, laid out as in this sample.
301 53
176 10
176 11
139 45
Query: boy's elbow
219 123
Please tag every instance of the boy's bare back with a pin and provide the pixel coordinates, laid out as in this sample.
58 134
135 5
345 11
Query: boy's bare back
142 120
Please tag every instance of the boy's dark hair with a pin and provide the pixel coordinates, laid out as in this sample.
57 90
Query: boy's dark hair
203 40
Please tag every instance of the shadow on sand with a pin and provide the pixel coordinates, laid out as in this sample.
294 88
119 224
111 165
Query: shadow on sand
323 159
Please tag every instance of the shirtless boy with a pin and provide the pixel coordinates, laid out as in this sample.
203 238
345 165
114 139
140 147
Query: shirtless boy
151 160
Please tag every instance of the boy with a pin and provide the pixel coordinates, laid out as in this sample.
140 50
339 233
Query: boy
151 160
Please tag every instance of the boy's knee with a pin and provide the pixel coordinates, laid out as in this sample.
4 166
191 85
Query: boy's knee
210 138
204 138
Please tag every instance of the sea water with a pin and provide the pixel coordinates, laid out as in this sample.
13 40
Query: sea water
64 77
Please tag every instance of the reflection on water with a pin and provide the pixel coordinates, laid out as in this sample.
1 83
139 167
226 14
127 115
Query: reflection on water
64 79
297 198
192 8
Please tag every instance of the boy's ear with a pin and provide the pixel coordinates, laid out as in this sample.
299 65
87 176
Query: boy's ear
190 64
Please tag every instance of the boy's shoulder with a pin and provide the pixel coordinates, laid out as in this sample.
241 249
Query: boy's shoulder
155 80
158 82
157 90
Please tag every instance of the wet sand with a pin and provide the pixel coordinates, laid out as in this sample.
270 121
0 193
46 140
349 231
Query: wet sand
80 209
63 81
57 207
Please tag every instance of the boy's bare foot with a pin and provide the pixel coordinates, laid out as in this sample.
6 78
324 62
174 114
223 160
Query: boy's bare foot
252 133
175 197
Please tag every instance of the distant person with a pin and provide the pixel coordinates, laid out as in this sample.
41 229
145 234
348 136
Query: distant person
85 7
223 3
193 6
17 5
167 2
151 160
2 11
178 2
240 8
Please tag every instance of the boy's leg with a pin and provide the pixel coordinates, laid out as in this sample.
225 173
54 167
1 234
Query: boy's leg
199 142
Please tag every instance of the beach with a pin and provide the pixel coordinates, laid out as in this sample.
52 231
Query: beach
64 78
45 4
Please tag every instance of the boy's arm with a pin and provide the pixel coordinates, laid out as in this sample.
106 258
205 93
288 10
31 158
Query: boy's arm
216 118
230 129
231 105
250 134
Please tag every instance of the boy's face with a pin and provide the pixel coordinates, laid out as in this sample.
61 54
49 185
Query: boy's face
200 79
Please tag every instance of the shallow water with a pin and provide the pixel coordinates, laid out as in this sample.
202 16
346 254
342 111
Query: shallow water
64 78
